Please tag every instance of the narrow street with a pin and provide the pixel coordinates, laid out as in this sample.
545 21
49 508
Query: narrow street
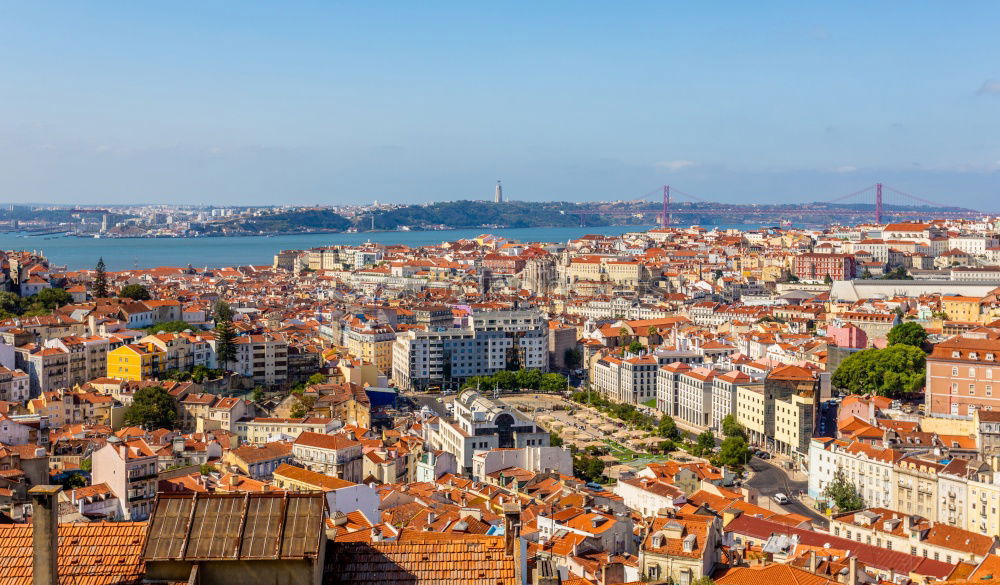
769 479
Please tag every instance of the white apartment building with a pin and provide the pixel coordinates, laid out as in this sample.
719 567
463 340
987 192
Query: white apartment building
867 467
725 388
264 358
266 430
481 424
667 384
536 459
631 380
694 396
495 341
974 245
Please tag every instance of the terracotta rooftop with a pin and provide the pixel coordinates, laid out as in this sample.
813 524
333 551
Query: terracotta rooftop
770 575
424 559
97 553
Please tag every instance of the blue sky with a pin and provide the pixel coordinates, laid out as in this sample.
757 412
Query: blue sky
328 102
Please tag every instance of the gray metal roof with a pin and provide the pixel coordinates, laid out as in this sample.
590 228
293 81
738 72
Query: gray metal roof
198 527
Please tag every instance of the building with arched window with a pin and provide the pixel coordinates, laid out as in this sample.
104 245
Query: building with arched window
481 424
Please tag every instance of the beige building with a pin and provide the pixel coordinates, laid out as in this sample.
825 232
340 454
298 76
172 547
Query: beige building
334 455
750 412
87 357
680 548
793 424
372 343
917 487
984 501
790 399
178 353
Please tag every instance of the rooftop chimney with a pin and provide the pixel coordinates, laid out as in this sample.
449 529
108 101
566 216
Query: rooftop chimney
44 537
812 561
852 570
511 526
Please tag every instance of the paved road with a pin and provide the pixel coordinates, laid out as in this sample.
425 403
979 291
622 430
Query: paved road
827 420
769 480
430 401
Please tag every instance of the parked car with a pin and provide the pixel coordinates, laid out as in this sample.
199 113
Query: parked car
764 455
781 498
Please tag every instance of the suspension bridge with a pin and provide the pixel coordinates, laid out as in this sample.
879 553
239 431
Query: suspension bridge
885 202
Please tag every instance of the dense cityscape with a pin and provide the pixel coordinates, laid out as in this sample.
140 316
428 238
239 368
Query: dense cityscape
520 293
672 405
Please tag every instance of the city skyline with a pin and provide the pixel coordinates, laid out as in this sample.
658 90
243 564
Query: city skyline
114 104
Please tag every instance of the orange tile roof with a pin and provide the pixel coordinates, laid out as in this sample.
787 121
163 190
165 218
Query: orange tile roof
97 553
771 574
423 559
313 478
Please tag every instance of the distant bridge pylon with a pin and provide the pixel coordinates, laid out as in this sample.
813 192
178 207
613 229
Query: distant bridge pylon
883 197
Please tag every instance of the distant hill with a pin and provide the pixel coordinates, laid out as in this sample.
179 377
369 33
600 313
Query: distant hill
471 214
294 221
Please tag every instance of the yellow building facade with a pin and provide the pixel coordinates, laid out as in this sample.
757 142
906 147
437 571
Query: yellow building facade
135 362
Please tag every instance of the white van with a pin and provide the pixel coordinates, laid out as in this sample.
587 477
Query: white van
781 498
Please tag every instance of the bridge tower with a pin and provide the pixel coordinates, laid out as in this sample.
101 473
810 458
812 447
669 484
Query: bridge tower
878 203
665 215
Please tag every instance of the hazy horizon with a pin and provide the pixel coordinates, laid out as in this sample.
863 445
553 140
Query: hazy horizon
316 103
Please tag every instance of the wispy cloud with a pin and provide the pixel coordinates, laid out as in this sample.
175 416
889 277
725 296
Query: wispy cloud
675 165
989 87
820 33
845 169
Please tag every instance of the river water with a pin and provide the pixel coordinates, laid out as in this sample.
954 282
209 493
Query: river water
124 253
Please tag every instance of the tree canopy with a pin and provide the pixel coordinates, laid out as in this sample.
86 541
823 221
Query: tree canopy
225 334
668 428
893 371
844 494
908 334
732 427
734 452
100 288
152 408
587 467
136 292
51 298
42 303
514 380
704 445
